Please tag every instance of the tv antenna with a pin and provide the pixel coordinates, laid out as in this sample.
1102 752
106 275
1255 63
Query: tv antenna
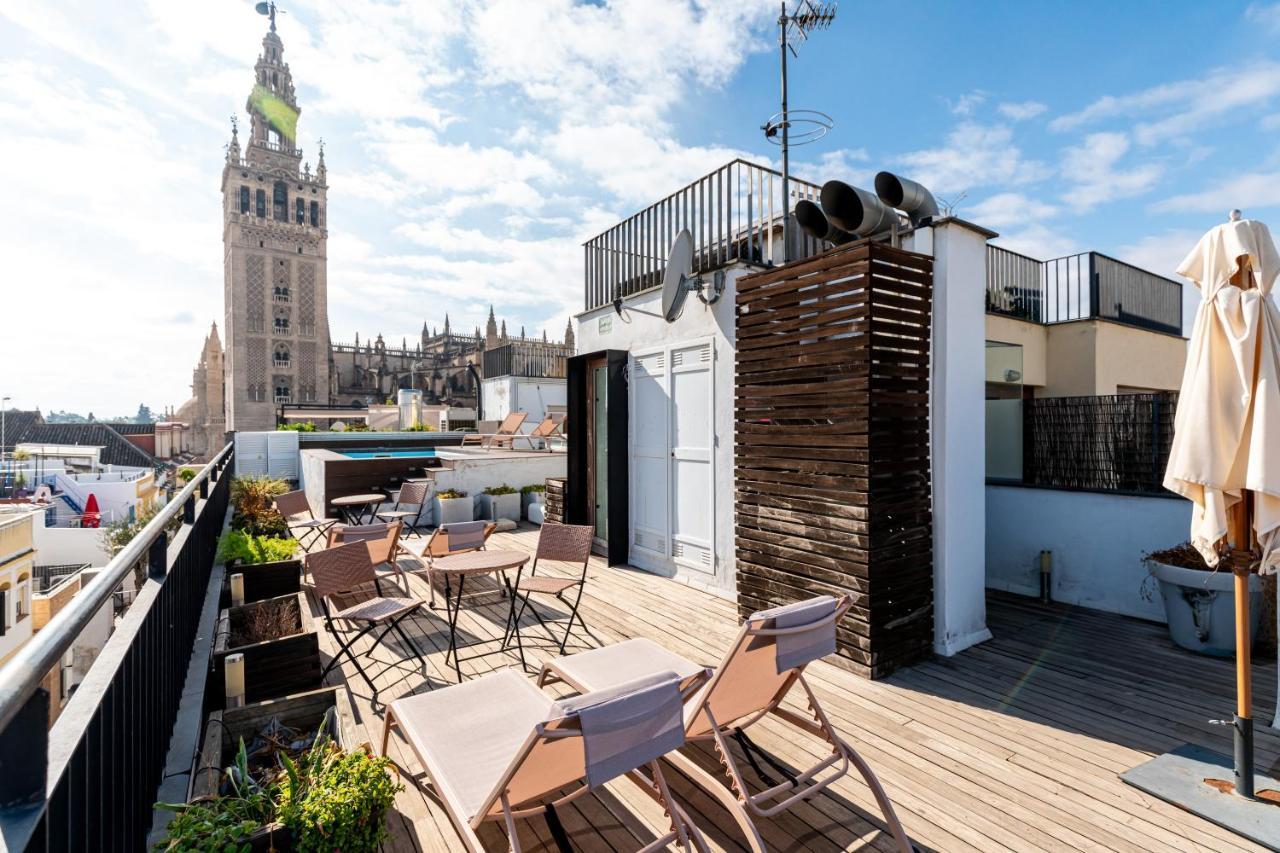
792 27
949 205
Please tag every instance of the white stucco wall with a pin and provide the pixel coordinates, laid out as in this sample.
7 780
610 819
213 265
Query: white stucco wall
475 475
603 329
1097 542
503 395
59 546
958 416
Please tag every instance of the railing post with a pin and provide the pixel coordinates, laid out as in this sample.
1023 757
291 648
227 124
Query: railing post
158 557
189 510
204 489
1095 291
24 754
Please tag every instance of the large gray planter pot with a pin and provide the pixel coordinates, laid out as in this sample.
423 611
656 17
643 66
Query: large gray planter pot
530 498
1200 608
495 507
453 510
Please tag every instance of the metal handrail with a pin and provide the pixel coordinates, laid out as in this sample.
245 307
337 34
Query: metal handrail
22 675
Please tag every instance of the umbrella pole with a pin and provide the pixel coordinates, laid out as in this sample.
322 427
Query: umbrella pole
1239 529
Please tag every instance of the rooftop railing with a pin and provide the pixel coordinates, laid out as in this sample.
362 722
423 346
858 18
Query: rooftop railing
734 214
90 782
1085 286
531 359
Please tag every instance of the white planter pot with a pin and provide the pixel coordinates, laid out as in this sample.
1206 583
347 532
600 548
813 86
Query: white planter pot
527 500
452 510
494 507
1200 608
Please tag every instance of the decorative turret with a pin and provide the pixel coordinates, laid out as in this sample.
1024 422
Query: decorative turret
568 334
503 336
491 330
233 147
321 172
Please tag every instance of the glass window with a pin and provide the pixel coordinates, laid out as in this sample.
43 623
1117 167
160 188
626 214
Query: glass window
244 199
280 202
261 200
1004 411
300 211
315 213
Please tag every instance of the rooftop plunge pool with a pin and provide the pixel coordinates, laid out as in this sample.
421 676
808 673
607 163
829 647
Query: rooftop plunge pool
389 454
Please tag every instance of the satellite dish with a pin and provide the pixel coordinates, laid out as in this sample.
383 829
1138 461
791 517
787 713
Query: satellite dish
263 8
676 280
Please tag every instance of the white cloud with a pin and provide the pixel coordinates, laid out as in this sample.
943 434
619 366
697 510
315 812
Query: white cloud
1249 190
967 103
1039 241
1266 15
1171 110
1021 110
1004 209
975 155
1091 166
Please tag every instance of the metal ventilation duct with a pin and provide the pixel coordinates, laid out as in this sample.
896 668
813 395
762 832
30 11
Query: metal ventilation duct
815 223
908 196
855 210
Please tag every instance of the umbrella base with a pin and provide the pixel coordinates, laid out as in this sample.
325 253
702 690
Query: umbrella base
1201 781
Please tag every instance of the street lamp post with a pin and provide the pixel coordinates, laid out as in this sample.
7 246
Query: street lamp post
4 404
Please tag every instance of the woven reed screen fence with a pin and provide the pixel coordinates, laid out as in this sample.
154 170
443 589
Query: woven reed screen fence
1105 444
832 446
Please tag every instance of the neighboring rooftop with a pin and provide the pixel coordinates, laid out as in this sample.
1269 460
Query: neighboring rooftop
30 427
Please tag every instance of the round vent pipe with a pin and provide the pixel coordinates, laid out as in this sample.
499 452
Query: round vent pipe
855 210
908 196
815 223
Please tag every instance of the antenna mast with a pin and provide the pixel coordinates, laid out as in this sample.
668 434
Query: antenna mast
812 16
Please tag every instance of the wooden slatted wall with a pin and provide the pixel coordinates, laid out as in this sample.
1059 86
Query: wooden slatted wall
832 445
555 499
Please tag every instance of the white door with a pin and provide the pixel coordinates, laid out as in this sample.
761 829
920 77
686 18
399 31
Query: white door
672 435
692 435
649 453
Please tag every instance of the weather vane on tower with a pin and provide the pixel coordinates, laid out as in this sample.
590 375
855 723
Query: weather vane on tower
269 9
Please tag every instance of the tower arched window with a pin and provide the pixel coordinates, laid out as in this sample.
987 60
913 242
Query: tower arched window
315 213
261 202
244 199
283 394
281 356
300 211
280 202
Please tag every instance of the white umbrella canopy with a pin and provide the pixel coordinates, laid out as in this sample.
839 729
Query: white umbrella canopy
1227 429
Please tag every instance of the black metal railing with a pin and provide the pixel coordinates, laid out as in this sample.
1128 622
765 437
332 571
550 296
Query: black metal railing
90 782
1116 443
527 358
1083 286
734 214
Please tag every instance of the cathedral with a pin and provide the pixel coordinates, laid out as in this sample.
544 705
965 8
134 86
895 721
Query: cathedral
275 278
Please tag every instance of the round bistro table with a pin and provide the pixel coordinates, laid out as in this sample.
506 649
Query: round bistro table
353 507
457 568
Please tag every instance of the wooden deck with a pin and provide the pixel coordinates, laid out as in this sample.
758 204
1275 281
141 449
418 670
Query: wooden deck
1016 744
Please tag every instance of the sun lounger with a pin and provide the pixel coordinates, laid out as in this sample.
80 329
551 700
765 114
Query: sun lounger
765 661
548 427
504 435
497 748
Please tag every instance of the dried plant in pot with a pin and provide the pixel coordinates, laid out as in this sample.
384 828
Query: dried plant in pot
1198 600
281 651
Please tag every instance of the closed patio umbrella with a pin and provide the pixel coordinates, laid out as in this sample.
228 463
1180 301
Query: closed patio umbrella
1225 456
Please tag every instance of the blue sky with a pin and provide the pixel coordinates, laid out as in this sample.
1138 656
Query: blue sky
472 147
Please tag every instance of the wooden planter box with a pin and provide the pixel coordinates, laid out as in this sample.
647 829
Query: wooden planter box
263 580
222 734
275 667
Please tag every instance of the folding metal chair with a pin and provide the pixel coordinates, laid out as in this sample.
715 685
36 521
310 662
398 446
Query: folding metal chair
449 539
383 541
565 543
342 569
416 495
291 505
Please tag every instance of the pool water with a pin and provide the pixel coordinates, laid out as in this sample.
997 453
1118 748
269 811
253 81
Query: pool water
389 454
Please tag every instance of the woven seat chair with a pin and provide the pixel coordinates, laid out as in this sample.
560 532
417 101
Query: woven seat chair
303 525
563 543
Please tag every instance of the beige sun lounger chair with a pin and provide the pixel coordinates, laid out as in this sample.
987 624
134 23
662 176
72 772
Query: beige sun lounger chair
764 662
497 748
504 435
548 427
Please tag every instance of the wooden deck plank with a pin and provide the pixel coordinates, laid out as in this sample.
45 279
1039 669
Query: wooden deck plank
1016 744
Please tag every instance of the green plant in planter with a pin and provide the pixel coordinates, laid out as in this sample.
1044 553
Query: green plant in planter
300 426
186 475
253 499
251 550
450 494
334 800
533 489
224 823
504 489
419 428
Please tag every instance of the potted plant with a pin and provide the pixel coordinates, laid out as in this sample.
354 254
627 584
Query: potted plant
534 493
267 563
320 798
281 653
498 502
253 505
1199 602
452 506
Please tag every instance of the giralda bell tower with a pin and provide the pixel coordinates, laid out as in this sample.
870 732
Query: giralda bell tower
274 256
